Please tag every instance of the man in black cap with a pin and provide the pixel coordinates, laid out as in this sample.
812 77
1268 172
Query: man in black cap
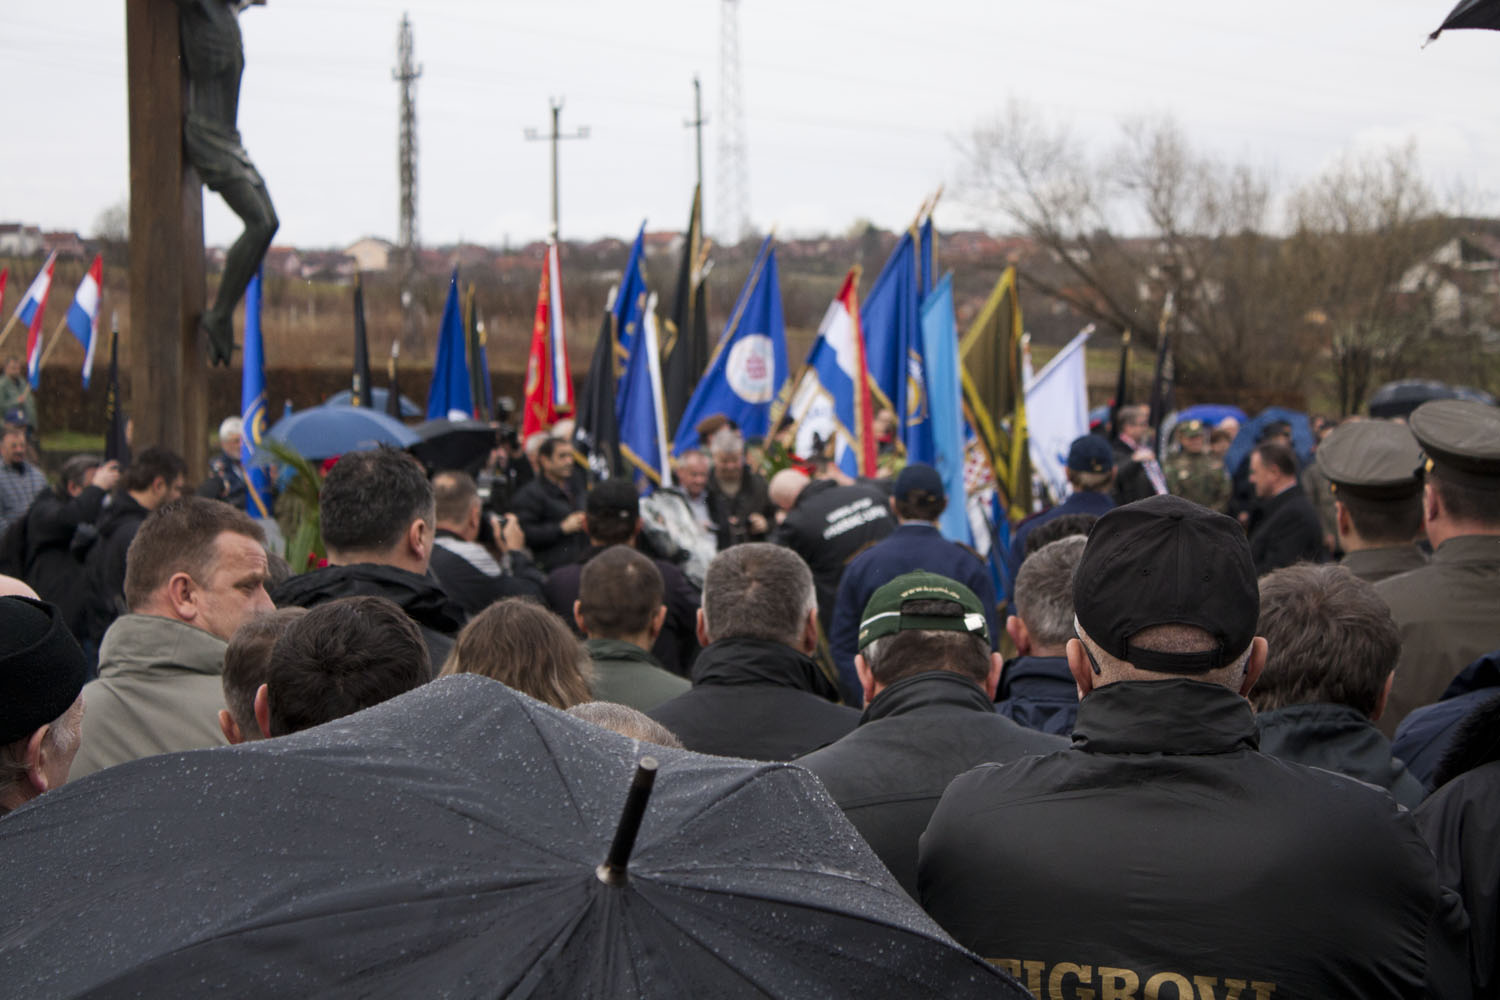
1449 610
42 673
1284 528
929 683
828 523
1163 849
1091 474
918 501
1371 467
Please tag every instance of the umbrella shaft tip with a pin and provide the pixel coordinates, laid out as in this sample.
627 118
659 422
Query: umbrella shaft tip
611 875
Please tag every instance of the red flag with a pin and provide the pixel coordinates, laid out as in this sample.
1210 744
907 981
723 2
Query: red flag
864 407
4 273
540 413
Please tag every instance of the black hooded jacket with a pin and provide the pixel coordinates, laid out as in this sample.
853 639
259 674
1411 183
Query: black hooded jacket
1163 847
915 737
105 564
421 597
54 564
757 699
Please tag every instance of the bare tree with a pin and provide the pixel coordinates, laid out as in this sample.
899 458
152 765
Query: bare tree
1357 230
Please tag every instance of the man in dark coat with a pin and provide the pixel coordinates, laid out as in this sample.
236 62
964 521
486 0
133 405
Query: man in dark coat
929 679
740 497
550 508
1091 474
1163 848
613 517
1333 647
1371 466
1138 474
918 501
828 523
1285 529
756 691
377 515
156 476
1459 822
469 572
60 526
1446 610
226 473
1036 688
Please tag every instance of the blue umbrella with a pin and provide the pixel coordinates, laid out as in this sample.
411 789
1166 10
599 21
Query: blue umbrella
1212 413
325 431
1250 432
409 408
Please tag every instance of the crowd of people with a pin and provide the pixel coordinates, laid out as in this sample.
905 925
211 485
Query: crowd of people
1212 732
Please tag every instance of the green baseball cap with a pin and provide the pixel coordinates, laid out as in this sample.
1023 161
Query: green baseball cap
883 615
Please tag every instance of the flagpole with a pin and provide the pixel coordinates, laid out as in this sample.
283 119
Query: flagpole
14 318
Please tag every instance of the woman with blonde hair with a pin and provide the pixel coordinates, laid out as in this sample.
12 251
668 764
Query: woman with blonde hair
525 647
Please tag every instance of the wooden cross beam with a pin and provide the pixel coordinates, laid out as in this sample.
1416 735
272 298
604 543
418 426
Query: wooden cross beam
168 397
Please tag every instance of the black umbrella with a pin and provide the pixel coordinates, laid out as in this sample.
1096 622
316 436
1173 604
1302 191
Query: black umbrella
1398 399
453 444
1471 14
452 842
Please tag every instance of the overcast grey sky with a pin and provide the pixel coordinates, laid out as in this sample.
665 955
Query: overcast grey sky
851 109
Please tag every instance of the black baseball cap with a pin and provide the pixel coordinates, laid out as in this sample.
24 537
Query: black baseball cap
42 669
1167 561
613 499
1090 453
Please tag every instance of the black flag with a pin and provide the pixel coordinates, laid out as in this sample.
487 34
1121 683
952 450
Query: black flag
116 446
1122 387
360 394
597 435
393 394
1164 381
685 337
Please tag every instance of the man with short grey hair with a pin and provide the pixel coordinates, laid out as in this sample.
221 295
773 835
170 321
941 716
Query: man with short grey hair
756 691
1036 689
742 497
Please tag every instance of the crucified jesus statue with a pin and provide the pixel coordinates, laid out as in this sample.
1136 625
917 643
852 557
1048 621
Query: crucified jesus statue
213 57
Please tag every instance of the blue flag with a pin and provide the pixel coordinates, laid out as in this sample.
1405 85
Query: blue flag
449 395
630 304
893 348
749 365
940 348
643 420
253 405
926 258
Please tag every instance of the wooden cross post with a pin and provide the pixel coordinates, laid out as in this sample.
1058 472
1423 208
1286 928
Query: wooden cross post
168 398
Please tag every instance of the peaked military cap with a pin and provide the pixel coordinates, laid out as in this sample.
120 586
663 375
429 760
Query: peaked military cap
1461 439
1372 460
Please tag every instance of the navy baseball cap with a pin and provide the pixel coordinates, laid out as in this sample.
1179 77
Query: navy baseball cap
918 478
1091 453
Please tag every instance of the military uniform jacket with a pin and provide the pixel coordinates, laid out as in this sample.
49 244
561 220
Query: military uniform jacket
1164 850
1449 615
1338 738
915 737
1374 565
1199 478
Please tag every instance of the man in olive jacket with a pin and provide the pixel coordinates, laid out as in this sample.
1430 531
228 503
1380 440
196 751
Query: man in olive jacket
620 609
1163 849
195 572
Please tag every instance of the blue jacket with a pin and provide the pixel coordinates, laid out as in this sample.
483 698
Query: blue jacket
1424 736
1039 692
912 546
1082 502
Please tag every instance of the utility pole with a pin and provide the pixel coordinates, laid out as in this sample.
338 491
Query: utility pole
406 74
696 124
555 136
734 184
